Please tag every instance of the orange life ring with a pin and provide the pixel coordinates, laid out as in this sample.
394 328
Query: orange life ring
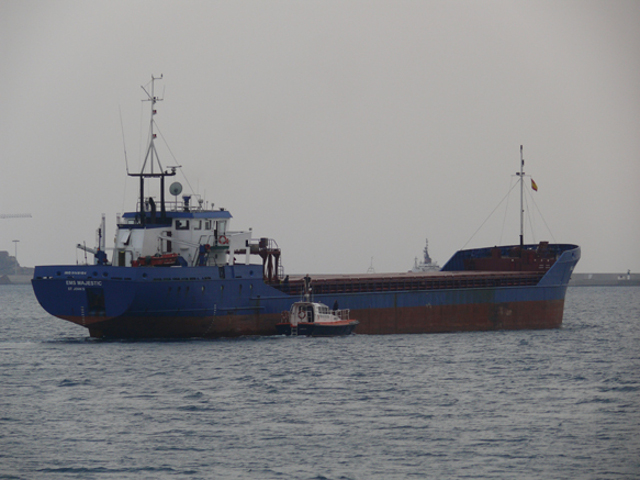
222 240
301 314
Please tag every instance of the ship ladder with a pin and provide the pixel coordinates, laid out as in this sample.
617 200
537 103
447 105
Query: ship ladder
294 330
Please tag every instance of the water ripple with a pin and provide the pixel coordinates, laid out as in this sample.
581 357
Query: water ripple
529 404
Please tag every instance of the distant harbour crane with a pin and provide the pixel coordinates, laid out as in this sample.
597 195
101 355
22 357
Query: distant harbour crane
15 242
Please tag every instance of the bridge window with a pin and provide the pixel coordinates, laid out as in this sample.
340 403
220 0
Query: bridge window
123 237
182 224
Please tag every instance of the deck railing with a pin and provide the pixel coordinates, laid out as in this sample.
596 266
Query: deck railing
364 285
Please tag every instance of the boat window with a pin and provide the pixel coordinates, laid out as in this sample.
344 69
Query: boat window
168 243
182 224
222 227
197 224
123 237
207 225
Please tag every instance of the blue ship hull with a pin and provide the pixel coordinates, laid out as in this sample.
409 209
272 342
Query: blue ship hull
235 300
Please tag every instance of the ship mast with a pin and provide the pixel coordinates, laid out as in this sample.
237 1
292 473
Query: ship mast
521 175
151 150
151 158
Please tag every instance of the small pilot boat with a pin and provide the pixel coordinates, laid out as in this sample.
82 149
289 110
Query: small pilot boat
315 320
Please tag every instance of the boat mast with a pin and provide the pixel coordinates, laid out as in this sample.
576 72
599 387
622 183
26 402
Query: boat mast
151 150
152 157
521 175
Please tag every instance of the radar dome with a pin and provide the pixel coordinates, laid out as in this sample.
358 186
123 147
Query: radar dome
175 188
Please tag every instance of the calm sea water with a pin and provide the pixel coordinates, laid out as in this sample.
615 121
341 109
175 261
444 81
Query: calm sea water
561 404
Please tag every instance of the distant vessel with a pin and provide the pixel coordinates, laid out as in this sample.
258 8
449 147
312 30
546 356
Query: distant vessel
605 279
178 270
426 265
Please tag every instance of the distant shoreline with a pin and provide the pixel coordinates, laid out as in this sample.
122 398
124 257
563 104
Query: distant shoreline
605 280
15 279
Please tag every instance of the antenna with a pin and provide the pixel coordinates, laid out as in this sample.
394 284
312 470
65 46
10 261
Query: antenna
124 145
151 150
151 158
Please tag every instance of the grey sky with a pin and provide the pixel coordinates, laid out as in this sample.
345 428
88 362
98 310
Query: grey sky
344 130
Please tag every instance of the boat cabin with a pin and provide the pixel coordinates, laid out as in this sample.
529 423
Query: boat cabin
313 312
197 236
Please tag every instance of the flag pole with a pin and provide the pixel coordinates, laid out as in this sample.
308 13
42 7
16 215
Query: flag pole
521 198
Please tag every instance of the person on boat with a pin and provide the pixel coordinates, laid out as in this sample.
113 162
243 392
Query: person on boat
203 255
101 257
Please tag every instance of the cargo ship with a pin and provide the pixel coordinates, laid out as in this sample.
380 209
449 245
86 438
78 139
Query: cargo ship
178 270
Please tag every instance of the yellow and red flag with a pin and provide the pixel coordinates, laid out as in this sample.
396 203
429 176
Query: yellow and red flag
534 185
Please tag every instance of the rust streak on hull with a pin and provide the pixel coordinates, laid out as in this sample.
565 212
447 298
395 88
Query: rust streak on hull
461 318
